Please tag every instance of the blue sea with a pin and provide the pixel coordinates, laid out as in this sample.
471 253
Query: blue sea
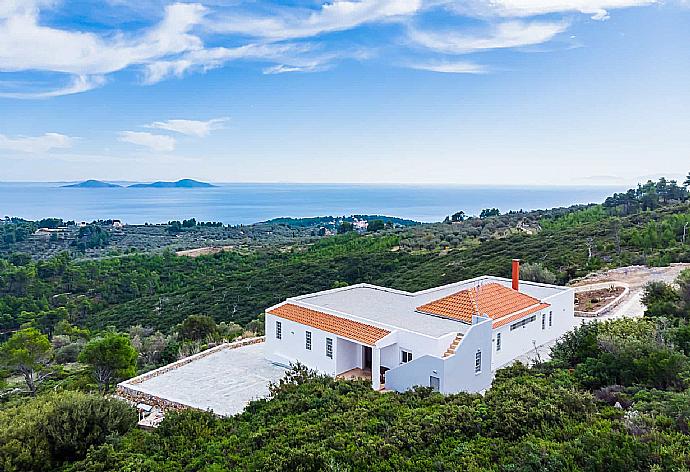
250 203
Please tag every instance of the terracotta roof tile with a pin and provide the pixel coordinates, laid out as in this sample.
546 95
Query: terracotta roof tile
337 325
493 299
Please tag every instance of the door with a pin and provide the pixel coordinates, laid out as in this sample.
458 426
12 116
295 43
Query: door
435 383
366 356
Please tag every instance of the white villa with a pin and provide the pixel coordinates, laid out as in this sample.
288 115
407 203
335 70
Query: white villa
450 338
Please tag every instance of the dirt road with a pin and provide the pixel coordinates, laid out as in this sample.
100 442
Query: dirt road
635 277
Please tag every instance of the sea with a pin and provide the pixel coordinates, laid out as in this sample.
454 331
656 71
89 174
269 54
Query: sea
243 203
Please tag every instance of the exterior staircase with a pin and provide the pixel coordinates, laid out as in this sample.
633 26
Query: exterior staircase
453 346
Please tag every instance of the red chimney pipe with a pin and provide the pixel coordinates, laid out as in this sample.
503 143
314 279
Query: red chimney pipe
516 274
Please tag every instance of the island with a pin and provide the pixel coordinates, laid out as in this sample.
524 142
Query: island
92 184
184 183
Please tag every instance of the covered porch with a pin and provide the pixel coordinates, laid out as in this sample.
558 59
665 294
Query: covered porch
357 361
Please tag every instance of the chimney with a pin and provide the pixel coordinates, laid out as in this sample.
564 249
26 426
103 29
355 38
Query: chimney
516 274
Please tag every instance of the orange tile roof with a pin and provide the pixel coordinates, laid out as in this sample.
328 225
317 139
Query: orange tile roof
493 299
337 325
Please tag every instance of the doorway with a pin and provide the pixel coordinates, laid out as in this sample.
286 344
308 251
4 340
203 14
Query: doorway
366 357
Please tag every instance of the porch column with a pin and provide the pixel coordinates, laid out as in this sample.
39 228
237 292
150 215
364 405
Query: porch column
375 368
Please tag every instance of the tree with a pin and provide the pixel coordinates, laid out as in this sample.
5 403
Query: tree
345 227
537 273
197 327
459 216
686 182
489 212
375 225
28 352
110 357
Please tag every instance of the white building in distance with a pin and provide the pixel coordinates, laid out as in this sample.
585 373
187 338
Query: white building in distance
450 338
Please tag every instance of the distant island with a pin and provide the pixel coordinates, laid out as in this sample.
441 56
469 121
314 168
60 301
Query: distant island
184 183
92 184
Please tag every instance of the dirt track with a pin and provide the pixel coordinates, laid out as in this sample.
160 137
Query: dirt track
635 277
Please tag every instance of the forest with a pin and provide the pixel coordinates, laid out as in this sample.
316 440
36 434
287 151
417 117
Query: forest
613 396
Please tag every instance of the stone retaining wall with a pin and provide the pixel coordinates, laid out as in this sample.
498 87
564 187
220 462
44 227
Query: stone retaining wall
606 308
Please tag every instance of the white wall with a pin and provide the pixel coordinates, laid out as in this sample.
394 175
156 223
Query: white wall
418 344
456 372
291 348
459 371
522 340
349 355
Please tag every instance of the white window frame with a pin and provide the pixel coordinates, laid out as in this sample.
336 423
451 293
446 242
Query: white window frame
478 362
498 342
405 355
279 330
329 348
307 340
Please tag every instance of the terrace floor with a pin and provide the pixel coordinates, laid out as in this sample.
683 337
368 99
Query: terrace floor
356 374
224 382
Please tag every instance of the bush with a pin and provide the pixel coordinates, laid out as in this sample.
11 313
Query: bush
68 353
537 273
197 327
80 421
43 432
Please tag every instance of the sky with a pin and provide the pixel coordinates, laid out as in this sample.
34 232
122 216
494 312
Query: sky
491 92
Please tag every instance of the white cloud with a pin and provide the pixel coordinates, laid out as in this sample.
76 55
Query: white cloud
77 84
507 34
173 46
155 142
284 69
212 58
26 45
190 127
451 67
36 144
598 9
337 15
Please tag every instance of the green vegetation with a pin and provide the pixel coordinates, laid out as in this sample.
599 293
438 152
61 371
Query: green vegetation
109 358
489 212
614 396
596 406
43 433
27 353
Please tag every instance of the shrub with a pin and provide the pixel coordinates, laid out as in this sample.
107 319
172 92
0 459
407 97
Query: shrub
43 432
68 353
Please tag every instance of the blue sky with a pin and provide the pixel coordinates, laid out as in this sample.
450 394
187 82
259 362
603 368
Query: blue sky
522 92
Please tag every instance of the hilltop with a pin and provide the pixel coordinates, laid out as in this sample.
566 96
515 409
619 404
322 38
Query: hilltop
92 184
183 183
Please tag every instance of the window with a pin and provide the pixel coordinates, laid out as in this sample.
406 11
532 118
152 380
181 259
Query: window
406 356
550 318
522 323
279 330
498 341
307 340
543 321
478 361
329 348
